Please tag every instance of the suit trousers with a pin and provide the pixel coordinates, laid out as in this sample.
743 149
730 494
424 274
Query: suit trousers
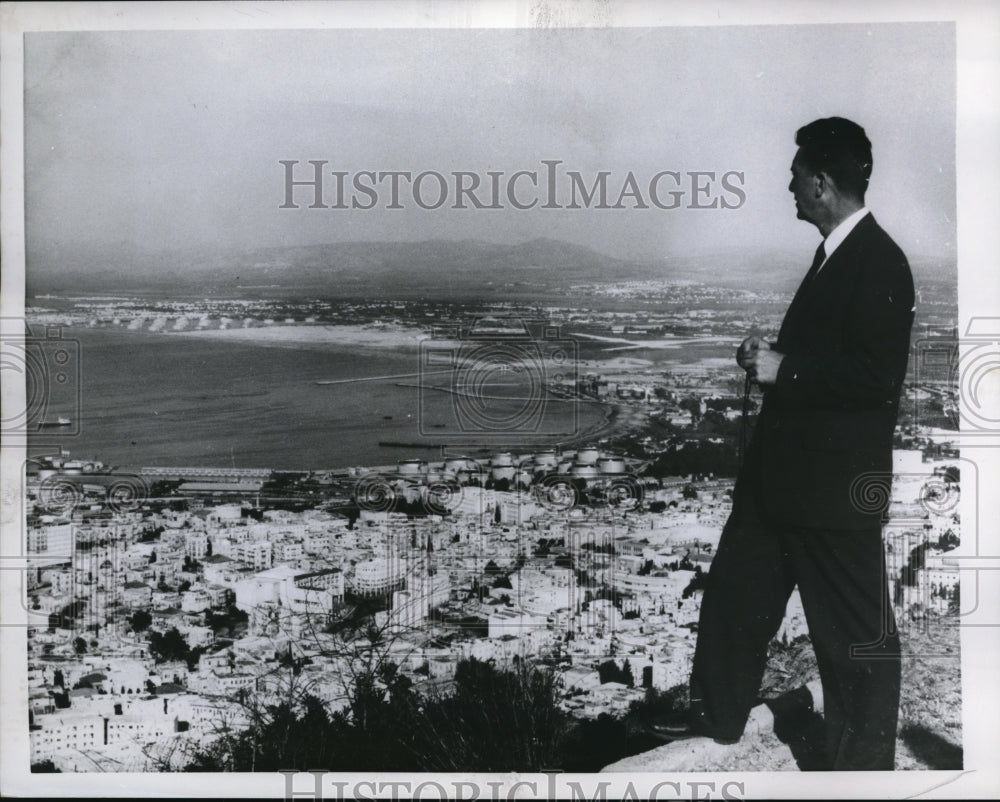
842 583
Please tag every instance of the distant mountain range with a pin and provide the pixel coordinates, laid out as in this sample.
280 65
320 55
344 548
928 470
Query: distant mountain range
432 268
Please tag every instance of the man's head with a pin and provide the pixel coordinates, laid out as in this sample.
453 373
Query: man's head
831 169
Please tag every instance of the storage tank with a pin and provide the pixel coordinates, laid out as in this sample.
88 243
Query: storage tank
584 471
503 472
611 465
545 460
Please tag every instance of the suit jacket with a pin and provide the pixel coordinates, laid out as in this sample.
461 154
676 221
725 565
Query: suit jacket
828 420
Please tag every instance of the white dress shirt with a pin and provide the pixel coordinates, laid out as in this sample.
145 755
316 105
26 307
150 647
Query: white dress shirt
839 234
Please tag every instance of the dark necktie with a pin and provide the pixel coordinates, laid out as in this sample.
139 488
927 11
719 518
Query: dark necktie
817 261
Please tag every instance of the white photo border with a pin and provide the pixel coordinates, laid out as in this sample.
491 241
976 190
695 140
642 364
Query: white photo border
978 204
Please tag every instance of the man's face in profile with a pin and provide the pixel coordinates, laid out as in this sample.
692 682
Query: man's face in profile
803 188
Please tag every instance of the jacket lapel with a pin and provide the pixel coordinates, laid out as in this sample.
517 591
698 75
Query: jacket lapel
810 289
842 255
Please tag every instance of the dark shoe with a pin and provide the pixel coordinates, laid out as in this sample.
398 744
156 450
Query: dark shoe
673 732
683 732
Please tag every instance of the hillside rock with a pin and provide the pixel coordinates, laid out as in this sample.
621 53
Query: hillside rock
785 726
786 732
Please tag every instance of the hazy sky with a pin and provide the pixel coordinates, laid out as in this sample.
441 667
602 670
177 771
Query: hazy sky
171 139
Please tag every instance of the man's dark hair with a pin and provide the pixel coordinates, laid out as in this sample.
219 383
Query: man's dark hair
839 148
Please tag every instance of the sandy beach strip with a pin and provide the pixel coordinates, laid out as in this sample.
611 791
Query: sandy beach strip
313 335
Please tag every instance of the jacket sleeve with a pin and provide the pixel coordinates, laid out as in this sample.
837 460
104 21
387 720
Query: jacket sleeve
866 368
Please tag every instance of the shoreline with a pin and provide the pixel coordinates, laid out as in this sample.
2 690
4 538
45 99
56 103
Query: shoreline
285 336
618 419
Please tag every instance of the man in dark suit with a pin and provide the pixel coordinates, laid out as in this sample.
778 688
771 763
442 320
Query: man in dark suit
801 515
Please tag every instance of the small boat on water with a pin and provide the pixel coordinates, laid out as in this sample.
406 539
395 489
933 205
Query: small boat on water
60 421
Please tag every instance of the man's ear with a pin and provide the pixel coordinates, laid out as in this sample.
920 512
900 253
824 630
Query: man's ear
820 182
823 182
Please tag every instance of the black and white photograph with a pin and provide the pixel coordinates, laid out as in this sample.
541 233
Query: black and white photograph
502 400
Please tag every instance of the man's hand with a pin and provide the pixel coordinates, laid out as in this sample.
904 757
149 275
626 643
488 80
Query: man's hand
762 366
749 347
